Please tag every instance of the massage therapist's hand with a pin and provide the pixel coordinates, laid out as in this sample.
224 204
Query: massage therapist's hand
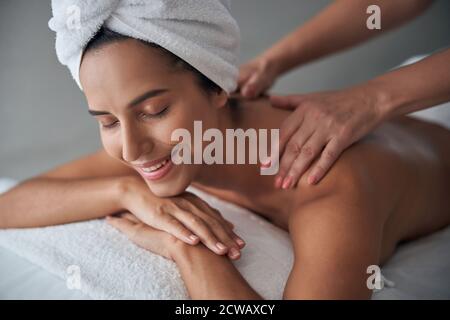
256 77
186 217
320 128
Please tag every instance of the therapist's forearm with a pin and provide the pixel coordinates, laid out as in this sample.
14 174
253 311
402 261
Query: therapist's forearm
211 276
413 87
339 26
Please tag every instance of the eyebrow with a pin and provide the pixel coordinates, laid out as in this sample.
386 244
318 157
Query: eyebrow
134 102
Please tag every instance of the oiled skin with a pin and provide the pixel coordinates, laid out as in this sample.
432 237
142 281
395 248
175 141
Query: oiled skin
403 166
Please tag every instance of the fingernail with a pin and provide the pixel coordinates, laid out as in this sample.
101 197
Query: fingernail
234 253
193 238
312 179
286 182
220 246
278 182
240 242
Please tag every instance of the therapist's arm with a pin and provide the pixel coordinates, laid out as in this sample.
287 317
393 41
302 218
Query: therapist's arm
352 113
414 87
339 26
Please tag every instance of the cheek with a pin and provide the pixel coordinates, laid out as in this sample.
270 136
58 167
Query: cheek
112 145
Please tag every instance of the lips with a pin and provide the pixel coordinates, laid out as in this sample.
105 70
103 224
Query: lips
154 167
157 169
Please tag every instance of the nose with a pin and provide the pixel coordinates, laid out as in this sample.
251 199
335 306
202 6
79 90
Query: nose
134 143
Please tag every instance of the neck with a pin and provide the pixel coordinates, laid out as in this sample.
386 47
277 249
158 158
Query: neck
221 175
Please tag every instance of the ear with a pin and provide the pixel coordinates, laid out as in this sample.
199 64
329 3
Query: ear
220 99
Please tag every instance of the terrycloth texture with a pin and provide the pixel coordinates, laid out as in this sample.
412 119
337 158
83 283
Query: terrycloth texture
112 267
201 32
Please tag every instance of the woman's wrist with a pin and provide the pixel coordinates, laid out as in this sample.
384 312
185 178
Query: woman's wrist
126 189
178 250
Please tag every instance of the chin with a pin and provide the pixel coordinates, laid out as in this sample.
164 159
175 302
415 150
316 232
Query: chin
167 190
173 186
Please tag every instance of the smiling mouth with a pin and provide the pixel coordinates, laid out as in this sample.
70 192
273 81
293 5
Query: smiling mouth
156 166
156 171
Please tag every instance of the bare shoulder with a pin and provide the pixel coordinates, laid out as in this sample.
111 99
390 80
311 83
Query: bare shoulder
337 232
335 237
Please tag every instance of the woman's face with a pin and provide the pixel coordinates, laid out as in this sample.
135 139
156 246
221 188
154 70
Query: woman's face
139 99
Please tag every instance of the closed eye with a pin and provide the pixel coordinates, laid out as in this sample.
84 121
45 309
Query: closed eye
143 115
110 125
159 114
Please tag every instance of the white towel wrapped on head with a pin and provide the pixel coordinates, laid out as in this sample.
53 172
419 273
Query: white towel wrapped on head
201 32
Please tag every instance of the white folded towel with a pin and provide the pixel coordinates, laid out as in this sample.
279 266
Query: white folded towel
109 266
201 32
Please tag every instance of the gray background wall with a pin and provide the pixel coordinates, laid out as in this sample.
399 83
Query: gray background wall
43 118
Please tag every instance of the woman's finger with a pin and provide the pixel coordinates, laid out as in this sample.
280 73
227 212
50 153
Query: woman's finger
308 152
130 216
200 228
219 215
207 208
191 202
219 226
328 157
226 236
173 226
123 225
143 235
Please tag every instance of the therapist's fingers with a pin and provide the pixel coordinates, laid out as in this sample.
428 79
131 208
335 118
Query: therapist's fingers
256 77
244 75
254 86
327 158
290 154
308 152
248 73
287 102
289 126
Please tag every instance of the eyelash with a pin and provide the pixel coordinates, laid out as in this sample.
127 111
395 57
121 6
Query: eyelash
160 114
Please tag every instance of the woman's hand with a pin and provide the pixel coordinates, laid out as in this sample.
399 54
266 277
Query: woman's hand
156 241
256 77
322 126
186 217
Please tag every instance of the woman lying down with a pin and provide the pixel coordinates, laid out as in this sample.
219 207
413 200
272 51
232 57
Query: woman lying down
389 188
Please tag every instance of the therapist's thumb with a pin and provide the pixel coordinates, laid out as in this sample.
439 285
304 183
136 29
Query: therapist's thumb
286 102
255 86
